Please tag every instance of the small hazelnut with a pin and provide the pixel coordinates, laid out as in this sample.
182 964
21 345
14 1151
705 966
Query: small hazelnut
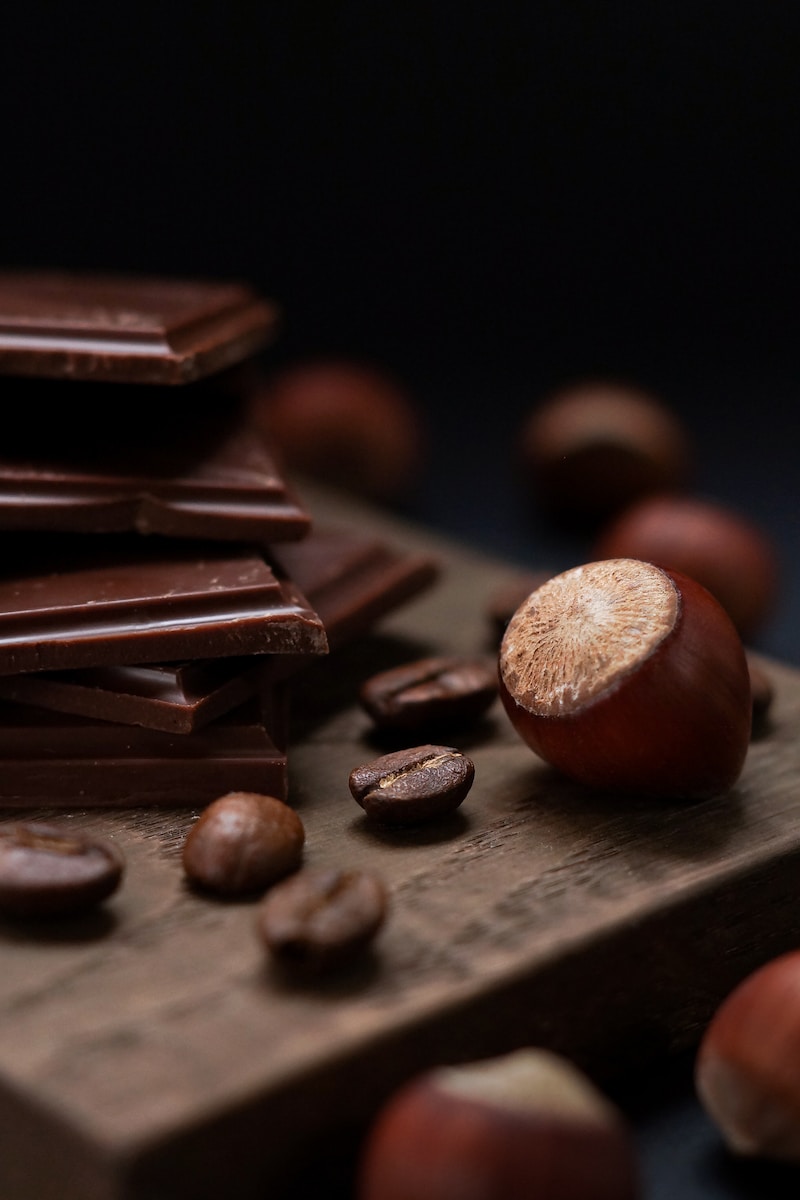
746 1067
345 423
726 552
630 678
590 449
509 1128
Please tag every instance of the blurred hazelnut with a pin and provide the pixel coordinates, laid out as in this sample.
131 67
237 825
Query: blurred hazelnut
345 423
729 554
522 1125
589 450
746 1068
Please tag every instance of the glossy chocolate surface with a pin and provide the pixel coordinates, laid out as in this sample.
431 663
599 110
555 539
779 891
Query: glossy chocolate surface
127 329
110 458
350 580
55 760
227 487
69 601
353 579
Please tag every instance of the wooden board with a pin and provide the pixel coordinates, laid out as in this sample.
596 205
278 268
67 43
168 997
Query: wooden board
149 1053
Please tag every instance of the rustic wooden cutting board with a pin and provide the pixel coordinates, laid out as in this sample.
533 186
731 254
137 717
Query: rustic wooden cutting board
149 1053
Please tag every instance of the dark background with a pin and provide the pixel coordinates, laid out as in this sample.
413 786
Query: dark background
542 186
487 200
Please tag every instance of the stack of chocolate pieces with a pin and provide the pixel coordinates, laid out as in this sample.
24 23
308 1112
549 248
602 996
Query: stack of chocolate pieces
161 582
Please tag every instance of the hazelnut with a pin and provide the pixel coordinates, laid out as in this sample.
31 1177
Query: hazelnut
726 552
345 423
590 449
627 677
522 1125
504 600
746 1067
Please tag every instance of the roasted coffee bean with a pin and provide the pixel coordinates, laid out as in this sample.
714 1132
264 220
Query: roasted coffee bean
243 842
321 918
410 787
52 870
430 692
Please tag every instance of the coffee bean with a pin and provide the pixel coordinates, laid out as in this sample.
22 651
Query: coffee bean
321 918
413 786
52 870
430 692
243 842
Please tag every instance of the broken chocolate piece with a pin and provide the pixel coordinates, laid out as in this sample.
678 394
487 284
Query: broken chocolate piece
222 485
74 601
351 581
58 761
128 329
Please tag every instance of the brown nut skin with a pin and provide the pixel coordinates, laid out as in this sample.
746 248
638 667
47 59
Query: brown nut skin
346 423
727 553
628 678
548 1133
592 448
242 843
746 1072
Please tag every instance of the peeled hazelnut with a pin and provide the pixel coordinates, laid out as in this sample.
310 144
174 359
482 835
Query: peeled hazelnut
506 598
746 1068
590 449
630 678
510 1128
719 548
345 423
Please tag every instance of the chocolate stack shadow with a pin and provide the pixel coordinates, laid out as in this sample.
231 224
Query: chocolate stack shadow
161 583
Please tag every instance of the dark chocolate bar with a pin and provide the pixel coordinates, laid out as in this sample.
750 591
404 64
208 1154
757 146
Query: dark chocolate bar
55 760
174 697
70 601
350 580
128 329
200 478
354 581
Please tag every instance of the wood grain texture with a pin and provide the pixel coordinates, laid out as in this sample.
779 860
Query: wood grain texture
149 1052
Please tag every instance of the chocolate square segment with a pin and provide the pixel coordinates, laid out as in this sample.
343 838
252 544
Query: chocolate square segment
128 329
54 760
70 601
192 477
351 579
